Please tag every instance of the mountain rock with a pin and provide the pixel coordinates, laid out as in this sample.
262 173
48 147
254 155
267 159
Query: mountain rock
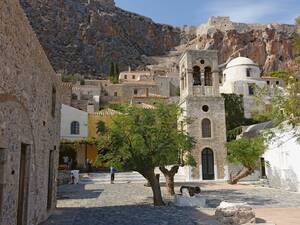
84 36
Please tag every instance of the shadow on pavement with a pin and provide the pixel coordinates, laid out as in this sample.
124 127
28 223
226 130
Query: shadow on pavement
130 215
71 192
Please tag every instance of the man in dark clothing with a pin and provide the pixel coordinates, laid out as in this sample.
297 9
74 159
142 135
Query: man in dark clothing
112 174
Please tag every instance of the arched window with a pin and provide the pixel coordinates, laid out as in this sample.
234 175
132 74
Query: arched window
196 75
207 76
75 127
206 128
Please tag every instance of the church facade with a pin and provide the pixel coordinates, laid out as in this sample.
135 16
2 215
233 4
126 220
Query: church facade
204 107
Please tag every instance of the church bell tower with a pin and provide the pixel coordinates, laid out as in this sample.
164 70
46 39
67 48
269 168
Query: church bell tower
203 105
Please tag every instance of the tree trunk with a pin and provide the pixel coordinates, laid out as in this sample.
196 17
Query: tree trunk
154 183
240 175
169 175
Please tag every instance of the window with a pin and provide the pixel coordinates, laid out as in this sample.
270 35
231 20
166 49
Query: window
133 77
251 89
277 82
116 94
75 128
268 82
248 72
125 77
135 91
206 128
196 75
205 108
53 106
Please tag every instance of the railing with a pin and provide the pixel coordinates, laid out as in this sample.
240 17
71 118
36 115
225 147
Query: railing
203 91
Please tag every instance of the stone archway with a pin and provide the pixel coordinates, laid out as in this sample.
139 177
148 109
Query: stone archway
196 75
207 76
207 159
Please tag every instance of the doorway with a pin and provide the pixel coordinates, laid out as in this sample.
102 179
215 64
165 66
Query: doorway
23 185
50 179
208 172
2 161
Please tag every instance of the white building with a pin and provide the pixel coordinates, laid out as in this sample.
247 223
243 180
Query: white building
240 77
74 123
282 157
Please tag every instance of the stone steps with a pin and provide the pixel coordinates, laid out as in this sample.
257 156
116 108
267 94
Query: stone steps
124 177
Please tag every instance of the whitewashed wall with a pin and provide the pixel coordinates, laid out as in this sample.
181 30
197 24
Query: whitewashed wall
283 155
68 115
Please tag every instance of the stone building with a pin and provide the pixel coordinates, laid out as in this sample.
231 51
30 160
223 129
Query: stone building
242 76
201 102
29 122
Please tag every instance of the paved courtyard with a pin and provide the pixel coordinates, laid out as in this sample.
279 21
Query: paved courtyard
128 203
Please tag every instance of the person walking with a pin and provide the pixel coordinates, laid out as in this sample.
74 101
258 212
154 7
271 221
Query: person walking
112 174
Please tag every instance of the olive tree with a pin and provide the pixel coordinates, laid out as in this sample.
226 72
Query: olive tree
142 139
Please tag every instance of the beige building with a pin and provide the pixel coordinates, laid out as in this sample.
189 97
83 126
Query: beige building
202 103
29 122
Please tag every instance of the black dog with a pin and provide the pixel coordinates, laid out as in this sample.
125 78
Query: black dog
192 190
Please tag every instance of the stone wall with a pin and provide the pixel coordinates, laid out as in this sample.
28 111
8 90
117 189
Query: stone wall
29 121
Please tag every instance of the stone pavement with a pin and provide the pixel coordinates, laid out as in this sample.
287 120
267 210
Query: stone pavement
131 204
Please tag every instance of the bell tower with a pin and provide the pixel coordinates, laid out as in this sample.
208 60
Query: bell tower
202 103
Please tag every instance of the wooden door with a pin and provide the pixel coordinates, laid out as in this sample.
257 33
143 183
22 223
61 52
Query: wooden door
22 196
50 180
208 164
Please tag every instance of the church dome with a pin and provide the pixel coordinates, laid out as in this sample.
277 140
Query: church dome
240 61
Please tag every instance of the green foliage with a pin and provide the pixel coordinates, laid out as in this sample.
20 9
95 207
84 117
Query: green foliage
142 139
72 78
118 107
234 112
232 134
285 104
114 72
66 150
101 127
178 91
297 20
245 151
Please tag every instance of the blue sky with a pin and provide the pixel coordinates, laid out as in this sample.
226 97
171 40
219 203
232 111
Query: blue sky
194 12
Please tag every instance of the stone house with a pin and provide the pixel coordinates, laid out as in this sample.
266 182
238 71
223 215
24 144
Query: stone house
29 122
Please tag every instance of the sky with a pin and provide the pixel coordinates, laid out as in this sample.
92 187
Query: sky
195 12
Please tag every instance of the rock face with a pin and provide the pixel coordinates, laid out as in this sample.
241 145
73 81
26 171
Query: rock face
235 214
271 49
84 36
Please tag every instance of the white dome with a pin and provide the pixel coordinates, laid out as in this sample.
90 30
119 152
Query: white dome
240 61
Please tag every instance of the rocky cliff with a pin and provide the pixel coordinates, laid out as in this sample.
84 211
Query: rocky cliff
84 36
271 46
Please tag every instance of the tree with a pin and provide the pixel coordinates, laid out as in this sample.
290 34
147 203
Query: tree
245 151
143 139
114 72
297 20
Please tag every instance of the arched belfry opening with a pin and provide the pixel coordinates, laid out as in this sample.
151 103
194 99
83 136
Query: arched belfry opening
196 75
207 76
207 159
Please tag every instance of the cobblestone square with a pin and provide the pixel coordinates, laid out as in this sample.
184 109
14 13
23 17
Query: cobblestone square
131 203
